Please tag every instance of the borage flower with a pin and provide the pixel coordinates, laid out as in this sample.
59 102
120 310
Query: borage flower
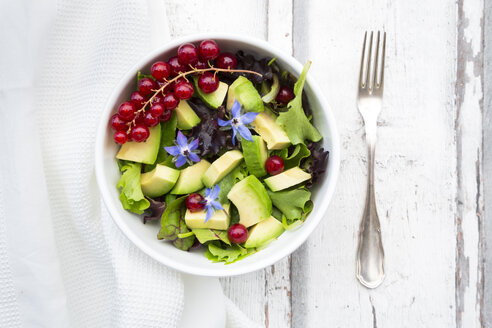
211 204
183 152
238 122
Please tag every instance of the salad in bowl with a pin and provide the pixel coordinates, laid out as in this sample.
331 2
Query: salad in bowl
217 150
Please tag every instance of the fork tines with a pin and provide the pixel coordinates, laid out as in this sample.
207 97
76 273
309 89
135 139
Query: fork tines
372 66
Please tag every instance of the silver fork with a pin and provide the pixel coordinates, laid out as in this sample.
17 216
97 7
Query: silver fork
370 253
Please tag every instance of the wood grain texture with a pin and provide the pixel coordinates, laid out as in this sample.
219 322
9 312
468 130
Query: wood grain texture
415 167
470 246
487 162
196 16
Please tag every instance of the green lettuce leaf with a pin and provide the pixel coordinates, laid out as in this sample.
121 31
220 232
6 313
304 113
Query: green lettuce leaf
228 255
291 226
173 224
204 235
140 76
131 196
294 204
294 121
229 181
277 214
234 214
293 159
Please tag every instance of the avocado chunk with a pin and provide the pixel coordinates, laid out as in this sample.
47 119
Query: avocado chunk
158 181
190 178
251 200
186 116
213 99
142 152
271 132
219 220
221 167
264 232
255 155
287 179
246 94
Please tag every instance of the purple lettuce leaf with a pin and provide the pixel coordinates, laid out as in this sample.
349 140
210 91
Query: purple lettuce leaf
317 163
156 209
212 138
173 224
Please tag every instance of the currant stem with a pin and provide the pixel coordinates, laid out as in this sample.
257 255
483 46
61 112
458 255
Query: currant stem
183 75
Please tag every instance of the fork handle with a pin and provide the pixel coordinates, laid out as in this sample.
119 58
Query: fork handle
370 253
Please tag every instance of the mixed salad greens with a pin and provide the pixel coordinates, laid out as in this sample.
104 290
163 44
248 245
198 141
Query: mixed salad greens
220 148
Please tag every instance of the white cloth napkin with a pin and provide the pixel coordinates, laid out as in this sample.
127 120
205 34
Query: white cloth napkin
63 263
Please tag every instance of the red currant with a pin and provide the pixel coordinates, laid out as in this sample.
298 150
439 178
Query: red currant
139 119
117 123
166 115
168 88
285 95
226 60
194 202
208 82
274 165
160 71
156 109
170 101
176 67
138 99
209 50
187 54
120 137
151 120
178 81
158 99
126 111
184 90
146 85
237 233
201 64
139 133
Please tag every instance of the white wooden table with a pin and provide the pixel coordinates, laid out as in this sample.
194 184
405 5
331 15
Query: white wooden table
433 160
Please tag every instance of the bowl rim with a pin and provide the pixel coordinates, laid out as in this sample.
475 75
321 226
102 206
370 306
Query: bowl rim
221 271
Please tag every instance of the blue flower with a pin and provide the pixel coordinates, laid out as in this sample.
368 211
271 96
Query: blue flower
238 122
211 204
183 152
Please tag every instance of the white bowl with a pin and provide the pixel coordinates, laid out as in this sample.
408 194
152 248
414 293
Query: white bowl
144 236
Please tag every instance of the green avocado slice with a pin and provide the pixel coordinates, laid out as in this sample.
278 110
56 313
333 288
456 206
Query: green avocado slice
287 179
221 167
219 220
246 94
251 200
190 178
213 99
274 135
158 181
142 152
264 232
255 155
186 116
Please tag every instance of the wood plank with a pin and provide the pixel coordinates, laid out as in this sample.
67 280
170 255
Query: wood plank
487 161
278 311
248 291
470 248
195 16
416 176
